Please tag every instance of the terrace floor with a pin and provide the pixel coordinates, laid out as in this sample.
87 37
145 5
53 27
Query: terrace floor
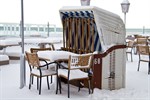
137 86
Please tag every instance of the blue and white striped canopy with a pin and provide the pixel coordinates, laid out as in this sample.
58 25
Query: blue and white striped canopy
109 28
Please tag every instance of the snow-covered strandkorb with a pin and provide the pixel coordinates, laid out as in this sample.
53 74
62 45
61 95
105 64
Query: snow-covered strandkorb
108 28
88 29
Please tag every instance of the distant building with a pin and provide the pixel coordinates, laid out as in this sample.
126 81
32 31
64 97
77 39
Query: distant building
13 29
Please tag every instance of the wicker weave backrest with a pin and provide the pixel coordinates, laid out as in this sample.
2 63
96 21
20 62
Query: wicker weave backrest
47 45
144 50
32 59
80 61
142 41
35 50
130 44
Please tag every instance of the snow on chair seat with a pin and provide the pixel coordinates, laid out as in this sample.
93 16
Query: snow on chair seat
4 59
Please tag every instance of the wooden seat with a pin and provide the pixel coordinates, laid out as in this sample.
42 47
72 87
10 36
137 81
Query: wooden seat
144 56
38 70
72 70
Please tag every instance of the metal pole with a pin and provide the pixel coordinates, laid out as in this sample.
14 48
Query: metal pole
143 29
22 60
124 55
48 29
20 29
125 19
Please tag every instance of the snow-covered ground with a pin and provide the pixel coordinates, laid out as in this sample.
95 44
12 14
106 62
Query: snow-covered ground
137 85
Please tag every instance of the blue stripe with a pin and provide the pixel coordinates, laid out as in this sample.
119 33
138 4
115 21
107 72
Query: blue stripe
78 14
83 14
96 42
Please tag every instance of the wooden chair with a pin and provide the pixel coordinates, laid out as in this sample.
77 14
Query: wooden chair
141 41
46 45
144 56
35 50
130 46
73 70
38 70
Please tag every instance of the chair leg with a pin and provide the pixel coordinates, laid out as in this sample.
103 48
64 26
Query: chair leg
51 79
131 58
30 81
149 67
138 66
68 90
37 83
89 82
79 86
40 85
59 85
48 83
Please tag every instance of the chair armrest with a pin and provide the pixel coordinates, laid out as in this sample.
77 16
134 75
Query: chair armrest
62 60
40 58
47 64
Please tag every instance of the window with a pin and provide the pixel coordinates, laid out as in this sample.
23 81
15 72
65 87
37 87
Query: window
8 28
59 29
17 28
24 28
33 29
51 29
41 29
1 28
12 28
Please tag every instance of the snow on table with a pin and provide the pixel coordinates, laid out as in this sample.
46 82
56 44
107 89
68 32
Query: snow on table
4 57
55 55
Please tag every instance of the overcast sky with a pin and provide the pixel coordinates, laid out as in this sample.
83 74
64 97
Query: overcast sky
44 11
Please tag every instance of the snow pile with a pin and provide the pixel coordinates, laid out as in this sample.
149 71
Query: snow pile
130 94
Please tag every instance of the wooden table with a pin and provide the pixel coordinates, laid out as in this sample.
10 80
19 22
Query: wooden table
54 55
3 46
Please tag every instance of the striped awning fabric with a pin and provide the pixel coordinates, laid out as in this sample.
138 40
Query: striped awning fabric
108 28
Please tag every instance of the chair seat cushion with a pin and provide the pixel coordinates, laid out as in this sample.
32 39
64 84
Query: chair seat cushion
129 50
74 74
44 71
145 57
50 66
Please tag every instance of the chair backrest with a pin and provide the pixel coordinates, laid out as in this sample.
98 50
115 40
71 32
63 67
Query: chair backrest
143 50
32 59
130 44
81 61
47 45
35 50
141 41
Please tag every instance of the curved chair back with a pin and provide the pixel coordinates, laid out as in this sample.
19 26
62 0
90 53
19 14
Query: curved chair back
32 59
80 61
